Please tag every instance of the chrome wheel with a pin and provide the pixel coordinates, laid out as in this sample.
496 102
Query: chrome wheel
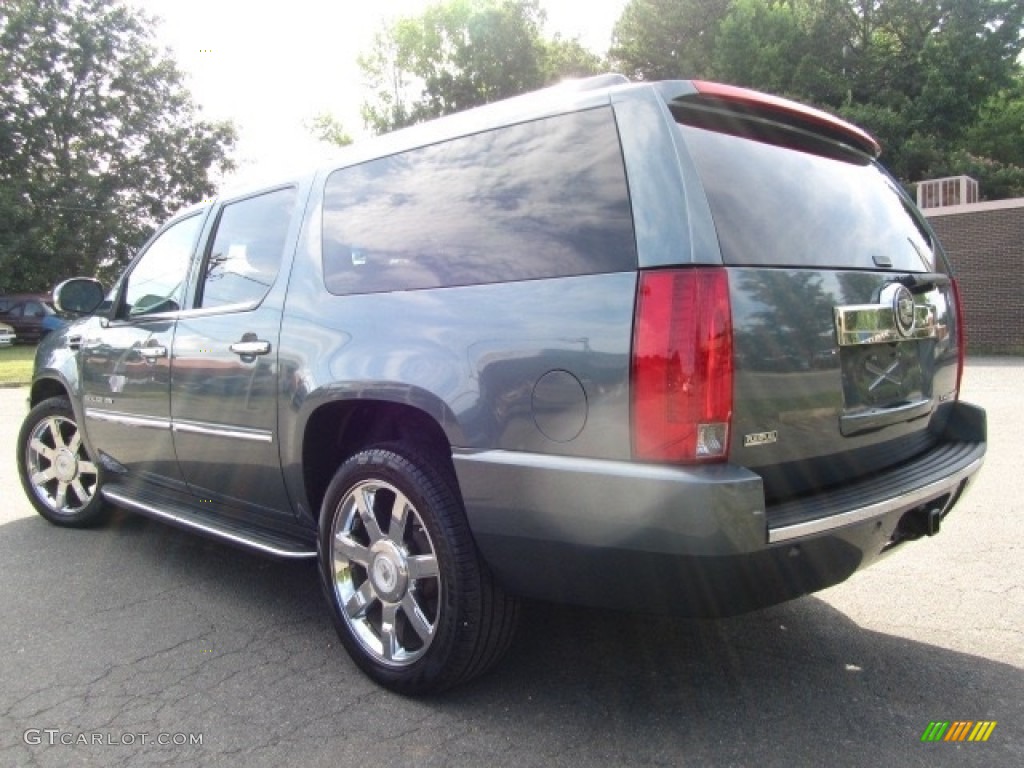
386 577
58 469
413 603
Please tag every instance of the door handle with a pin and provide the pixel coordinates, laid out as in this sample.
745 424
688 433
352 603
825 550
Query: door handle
250 348
153 353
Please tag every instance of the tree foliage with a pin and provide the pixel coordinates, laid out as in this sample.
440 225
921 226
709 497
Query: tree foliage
938 81
460 54
99 139
326 127
667 39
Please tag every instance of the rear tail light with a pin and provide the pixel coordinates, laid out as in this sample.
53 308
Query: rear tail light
961 341
682 366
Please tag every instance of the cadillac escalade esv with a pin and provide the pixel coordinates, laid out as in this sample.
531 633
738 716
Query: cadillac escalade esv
654 346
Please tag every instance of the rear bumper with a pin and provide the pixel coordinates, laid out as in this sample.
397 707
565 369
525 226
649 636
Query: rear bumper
699 540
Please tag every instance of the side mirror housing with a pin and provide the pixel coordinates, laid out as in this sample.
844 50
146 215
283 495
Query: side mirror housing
79 296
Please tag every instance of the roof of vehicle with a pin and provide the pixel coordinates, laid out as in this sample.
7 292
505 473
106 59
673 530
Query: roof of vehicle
569 95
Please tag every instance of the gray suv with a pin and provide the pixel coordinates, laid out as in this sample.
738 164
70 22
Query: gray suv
654 346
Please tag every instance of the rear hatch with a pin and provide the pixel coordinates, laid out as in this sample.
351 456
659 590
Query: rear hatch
845 321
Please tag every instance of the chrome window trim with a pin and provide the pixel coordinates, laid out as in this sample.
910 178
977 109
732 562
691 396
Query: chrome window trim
222 309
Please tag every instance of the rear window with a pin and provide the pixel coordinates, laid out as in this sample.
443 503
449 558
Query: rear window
541 199
777 206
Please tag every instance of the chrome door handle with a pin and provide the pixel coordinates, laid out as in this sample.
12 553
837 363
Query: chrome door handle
153 353
250 348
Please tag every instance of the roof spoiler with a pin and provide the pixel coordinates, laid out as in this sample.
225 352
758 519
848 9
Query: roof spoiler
783 111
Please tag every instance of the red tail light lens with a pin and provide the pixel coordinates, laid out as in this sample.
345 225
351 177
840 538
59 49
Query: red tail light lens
961 340
682 366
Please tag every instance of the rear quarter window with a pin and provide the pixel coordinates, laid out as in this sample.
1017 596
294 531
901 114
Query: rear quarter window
541 199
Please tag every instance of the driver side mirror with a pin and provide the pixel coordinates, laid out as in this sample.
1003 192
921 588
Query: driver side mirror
79 295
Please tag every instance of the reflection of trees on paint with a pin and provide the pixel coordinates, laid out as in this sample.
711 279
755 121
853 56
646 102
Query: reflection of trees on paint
796 324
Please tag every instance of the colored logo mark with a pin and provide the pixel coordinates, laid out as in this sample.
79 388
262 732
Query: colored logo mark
958 730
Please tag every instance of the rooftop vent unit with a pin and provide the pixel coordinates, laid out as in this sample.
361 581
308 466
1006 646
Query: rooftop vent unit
942 193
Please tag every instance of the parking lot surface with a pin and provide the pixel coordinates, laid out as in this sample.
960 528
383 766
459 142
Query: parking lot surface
136 644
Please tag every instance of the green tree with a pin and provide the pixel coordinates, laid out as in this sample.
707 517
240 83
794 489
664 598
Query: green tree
99 140
937 81
666 39
326 127
567 58
460 54
999 130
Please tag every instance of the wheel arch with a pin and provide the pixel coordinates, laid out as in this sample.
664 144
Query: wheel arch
46 387
339 429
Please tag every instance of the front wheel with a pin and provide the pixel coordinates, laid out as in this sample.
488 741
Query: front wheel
59 477
413 603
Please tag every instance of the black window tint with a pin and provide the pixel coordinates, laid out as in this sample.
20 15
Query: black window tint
158 278
248 243
775 206
541 199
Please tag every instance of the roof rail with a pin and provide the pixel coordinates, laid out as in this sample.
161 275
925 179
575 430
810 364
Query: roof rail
594 82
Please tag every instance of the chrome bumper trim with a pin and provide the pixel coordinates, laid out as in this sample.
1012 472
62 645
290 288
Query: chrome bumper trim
900 503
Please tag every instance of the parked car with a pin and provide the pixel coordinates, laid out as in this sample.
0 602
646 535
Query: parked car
7 335
31 316
650 346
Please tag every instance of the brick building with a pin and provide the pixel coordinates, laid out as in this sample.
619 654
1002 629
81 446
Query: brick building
985 243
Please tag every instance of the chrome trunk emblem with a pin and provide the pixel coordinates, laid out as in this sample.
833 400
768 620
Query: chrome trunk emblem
904 310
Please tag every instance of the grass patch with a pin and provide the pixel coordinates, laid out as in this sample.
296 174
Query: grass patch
16 363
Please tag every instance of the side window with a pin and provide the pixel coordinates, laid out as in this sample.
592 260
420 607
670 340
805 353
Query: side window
248 243
158 279
547 198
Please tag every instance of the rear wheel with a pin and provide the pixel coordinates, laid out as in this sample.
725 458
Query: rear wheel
413 603
59 477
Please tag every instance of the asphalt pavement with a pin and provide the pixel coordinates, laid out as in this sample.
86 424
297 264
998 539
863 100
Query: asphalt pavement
136 644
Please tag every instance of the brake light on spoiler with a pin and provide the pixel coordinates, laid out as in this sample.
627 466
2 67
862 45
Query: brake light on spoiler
789 113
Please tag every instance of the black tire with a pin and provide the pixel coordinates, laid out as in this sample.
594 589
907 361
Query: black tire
414 605
59 477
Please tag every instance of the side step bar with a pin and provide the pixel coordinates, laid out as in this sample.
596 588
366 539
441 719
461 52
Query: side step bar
266 542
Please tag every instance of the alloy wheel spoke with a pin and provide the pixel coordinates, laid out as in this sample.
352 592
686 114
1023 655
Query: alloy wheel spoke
76 442
422 567
388 632
42 449
44 476
348 549
86 468
364 505
416 619
79 489
361 600
54 428
61 499
399 519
